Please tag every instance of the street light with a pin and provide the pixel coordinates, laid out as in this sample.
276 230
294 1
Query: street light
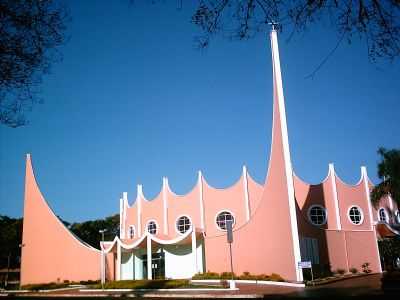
102 231
102 271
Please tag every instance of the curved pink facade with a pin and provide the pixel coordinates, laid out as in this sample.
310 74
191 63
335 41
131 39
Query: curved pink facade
50 252
272 231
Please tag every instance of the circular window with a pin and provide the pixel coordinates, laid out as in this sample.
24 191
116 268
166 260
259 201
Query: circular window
382 215
183 224
222 218
152 227
355 215
317 215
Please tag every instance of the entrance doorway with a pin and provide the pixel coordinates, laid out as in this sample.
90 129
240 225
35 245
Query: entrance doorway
157 265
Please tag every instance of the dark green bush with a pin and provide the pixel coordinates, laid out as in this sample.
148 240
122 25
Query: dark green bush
145 284
353 270
340 271
365 267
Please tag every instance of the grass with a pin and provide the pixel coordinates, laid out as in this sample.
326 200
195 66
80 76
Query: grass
149 284
244 276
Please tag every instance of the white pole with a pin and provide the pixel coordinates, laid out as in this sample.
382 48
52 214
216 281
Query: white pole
194 250
149 260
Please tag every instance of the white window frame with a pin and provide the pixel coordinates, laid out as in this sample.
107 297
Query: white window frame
385 213
131 227
147 226
361 213
221 211
309 214
176 224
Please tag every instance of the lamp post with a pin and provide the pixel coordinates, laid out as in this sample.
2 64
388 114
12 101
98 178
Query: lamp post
102 272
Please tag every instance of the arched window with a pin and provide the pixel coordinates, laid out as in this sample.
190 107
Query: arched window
152 227
183 224
222 218
355 215
317 215
131 232
383 217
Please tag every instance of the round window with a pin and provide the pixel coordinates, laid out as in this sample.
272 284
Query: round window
152 227
317 215
355 215
382 215
222 218
183 224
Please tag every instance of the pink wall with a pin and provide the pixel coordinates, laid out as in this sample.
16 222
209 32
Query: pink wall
50 252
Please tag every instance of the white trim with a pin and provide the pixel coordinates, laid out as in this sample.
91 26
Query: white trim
124 207
121 213
221 211
149 258
176 225
265 282
118 271
361 213
194 251
390 202
139 196
385 213
335 196
246 193
309 214
147 226
286 152
201 200
165 205
364 176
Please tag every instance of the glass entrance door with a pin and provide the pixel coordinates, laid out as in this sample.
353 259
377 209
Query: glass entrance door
157 265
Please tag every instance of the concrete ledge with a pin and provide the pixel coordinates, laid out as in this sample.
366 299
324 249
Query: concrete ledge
158 290
264 282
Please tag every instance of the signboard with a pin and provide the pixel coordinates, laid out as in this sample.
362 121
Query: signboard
304 264
229 233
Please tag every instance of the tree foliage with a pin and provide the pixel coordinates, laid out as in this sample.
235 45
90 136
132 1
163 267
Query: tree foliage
10 240
89 231
377 22
30 32
389 173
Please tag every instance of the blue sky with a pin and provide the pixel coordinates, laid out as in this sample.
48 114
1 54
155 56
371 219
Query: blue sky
133 101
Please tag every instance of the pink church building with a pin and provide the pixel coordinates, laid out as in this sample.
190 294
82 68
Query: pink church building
276 224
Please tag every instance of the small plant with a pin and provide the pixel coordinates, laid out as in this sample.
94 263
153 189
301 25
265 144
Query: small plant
365 268
353 270
276 277
227 275
340 271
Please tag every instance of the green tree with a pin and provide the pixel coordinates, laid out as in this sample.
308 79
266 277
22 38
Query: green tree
10 240
389 173
89 231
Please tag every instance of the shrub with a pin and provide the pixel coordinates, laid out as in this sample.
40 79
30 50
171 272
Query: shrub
340 271
227 275
44 286
353 270
146 284
365 267
276 277
207 275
